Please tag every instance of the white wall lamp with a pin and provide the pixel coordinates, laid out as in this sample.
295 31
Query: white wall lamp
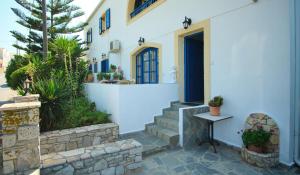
141 41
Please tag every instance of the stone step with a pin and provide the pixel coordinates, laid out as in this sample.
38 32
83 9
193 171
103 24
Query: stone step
168 123
151 144
170 113
165 134
176 106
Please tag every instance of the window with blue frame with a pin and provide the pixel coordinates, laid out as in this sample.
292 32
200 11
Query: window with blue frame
141 5
90 67
104 22
96 67
89 36
147 66
105 66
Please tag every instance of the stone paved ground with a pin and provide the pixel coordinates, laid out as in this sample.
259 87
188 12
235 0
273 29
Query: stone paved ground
202 161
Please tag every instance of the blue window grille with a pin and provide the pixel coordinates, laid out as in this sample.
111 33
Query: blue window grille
140 6
100 26
107 18
105 66
147 66
96 67
89 36
90 67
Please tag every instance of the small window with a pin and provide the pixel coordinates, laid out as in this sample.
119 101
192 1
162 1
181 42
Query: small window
96 67
89 36
104 22
90 67
141 5
105 66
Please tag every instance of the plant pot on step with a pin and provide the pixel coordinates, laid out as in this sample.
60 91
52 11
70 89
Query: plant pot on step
214 111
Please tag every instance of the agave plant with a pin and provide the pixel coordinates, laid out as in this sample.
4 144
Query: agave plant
54 93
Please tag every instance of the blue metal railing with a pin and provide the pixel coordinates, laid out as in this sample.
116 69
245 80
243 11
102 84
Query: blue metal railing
142 7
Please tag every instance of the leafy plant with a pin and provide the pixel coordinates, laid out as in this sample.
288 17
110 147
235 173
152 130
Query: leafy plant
113 67
54 94
115 76
100 76
257 138
216 101
107 76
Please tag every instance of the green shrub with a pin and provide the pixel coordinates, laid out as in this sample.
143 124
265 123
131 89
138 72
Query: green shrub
81 112
216 101
16 63
257 138
17 78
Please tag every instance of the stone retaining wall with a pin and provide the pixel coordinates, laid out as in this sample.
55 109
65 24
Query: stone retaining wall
69 139
260 160
107 159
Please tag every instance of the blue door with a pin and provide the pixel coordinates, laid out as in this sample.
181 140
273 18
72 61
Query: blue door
147 66
194 68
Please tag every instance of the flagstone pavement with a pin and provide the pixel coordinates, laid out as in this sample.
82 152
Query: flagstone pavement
202 161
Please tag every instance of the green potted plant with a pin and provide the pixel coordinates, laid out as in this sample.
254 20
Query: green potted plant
100 76
256 140
215 105
113 68
115 76
121 76
106 76
90 76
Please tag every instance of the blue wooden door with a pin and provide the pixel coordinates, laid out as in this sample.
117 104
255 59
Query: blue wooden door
194 68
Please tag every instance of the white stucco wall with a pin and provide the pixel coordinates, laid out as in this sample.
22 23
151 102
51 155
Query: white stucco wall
250 54
132 106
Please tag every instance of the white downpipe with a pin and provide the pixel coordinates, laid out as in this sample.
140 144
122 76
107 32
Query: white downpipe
296 53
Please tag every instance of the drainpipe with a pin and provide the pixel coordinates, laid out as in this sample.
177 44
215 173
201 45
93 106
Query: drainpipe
295 68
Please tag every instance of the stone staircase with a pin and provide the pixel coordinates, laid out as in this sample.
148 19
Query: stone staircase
166 126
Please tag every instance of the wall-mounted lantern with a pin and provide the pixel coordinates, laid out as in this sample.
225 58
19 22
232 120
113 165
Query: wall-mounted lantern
94 60
187 22
141 41
103 56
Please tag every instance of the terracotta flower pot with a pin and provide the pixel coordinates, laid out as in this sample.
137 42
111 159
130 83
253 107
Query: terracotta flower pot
214 111
256 149
90 78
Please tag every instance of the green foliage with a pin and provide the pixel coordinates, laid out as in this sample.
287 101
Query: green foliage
54 94
100 76
17 78
21 91
216 101
80 112
60 15
16 63
257 138
107 76
113 67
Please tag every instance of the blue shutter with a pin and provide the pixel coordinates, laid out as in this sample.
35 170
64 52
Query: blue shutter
91 35
100 26
107 18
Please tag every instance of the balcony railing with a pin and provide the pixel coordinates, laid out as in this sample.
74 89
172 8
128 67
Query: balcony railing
142 7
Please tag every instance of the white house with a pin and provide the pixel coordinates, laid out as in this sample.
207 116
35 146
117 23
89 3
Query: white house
244 50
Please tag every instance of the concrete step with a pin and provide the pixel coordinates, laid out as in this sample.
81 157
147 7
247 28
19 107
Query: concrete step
165 134
151 144
175 106
168 123
170 113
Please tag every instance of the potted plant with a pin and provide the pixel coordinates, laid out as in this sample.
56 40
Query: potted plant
115 76
106 76
214 105
90 76
100 76
256 140
121 76
113 68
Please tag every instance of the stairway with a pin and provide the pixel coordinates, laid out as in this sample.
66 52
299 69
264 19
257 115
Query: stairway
166 126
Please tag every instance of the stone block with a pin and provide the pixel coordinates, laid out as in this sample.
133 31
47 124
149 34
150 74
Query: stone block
28 159
100 165
28 132
109 171
8 167
9 140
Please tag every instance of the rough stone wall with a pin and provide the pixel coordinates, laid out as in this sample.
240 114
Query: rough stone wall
193 127
28 98
20 137
107 159
69 139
